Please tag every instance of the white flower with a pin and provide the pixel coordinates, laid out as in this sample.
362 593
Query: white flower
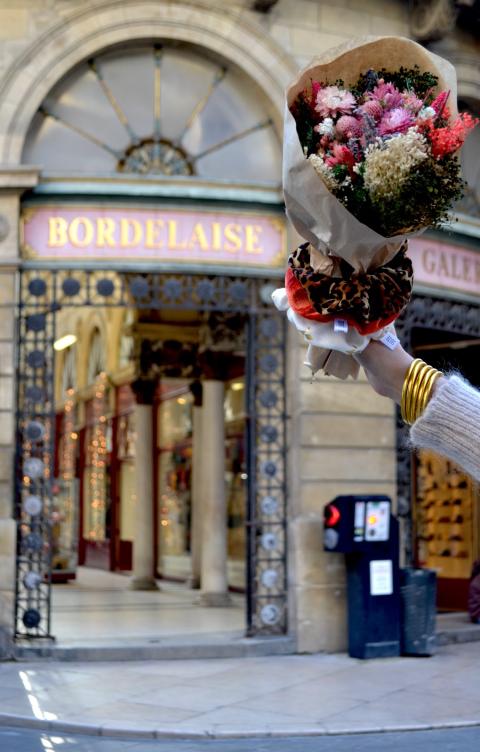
323 171
325 128
388 165
426 113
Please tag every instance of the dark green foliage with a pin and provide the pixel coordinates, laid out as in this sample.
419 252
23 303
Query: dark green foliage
424 200
411 79
302 112
405 78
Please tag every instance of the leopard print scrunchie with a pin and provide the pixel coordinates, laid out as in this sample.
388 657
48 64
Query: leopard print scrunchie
367 300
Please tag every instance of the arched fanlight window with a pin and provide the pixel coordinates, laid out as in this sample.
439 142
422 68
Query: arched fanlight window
96 357
156 110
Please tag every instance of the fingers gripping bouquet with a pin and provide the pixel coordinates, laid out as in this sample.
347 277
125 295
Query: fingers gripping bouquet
371 133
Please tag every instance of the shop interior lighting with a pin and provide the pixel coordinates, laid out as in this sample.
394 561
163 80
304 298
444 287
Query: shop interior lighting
237 386
63 342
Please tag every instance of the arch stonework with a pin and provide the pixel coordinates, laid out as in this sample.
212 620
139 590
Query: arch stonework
84 32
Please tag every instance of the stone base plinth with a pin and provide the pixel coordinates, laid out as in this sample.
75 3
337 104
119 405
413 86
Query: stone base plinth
215 600
143 583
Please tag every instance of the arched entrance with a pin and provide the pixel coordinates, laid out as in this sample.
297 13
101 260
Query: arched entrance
176 244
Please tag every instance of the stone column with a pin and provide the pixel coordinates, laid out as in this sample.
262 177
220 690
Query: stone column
214 517
143 544
197 489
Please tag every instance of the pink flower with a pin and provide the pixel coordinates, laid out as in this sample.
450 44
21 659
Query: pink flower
341 156
439 103
373 108
388 95
348 127
395 121
412 102
331 101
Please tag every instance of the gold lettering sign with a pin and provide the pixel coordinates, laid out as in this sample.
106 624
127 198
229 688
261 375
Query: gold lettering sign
187 236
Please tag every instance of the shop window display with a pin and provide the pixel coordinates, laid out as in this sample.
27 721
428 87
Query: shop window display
96 478
174 475
445 517
447 501
65 494
125 470
174 481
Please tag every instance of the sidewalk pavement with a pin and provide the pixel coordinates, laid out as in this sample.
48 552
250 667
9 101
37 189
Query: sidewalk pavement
241 697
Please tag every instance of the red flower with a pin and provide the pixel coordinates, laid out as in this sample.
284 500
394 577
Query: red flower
439 103
449 139
341 155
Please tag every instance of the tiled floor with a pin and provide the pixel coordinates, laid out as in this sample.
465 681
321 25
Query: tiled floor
98 607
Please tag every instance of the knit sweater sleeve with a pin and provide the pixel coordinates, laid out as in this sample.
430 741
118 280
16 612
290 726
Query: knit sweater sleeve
450 424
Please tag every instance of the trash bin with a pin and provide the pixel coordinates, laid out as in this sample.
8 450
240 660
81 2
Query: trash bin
418 594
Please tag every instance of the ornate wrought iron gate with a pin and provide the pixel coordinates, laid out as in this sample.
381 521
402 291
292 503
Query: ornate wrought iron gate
427 313
44 292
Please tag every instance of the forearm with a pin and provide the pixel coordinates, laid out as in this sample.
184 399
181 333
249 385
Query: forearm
450 424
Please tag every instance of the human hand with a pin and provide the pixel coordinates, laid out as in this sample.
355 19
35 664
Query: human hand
385 369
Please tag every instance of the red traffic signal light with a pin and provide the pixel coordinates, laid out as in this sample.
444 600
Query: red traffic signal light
332 515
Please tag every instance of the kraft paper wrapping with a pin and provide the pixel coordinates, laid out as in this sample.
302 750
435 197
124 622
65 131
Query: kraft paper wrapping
314 212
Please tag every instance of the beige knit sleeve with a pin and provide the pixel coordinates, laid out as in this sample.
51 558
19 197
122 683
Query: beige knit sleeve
450 424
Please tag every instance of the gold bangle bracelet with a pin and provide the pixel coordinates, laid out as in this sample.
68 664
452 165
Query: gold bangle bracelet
428 395
415 389
406 381
414 366
424 392
411 375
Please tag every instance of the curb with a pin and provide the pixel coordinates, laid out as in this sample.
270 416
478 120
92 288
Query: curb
115 732
164 649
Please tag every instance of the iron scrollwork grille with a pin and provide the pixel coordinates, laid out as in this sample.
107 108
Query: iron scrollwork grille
267 544
35 432
441 315
42 293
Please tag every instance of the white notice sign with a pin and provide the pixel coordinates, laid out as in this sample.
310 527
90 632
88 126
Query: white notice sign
381 577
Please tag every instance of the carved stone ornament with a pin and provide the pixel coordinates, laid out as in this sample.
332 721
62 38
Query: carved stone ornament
4 227
431 20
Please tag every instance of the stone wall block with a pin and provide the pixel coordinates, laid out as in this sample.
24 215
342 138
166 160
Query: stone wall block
299 13
6 429
348 431
13 23
7 554
347 464
314 495
352 23
6 501
6 463
6 348
322 619
313 565
6 393
308 44
344 397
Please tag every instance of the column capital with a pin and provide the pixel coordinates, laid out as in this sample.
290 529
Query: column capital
18 178
144 390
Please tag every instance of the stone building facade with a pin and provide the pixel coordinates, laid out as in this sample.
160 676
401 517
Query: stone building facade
341 437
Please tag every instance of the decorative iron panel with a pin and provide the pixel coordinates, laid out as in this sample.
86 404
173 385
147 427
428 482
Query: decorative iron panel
42 293
267 544
429 313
